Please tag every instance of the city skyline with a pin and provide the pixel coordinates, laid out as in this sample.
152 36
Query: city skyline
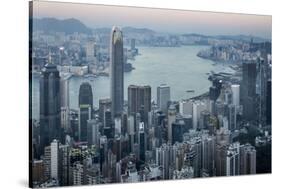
205 23
219 125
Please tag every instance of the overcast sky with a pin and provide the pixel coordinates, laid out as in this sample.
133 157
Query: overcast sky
161 20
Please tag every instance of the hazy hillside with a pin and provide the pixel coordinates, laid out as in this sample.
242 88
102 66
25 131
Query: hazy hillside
68 26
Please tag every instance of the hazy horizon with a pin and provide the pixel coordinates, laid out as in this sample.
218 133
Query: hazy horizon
159 20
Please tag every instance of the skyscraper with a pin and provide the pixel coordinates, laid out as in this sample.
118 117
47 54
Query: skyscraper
232 117
228 97
49 105
215 89
233 160
235 95
104 105
208 154
108 129
220 158
90 50
116 72
247 159
249 78
261 89
55 159
268 102
64 89
196 150
103 153
85 109
131 132
185 107
177 131
204 118
64 165
92 132
139 97
47 162
163 159
117 125
248 89
142 142
198 107
64 100
171 119
163 97
65 118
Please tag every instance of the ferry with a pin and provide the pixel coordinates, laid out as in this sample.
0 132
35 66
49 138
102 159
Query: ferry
190 91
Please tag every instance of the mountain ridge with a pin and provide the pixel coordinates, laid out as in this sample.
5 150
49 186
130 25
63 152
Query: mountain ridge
68 26
72 25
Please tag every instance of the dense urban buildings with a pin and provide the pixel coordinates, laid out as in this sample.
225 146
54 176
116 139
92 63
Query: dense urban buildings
123 131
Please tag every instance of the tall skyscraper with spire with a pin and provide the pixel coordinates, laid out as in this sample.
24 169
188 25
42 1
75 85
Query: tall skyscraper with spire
49 105
116 72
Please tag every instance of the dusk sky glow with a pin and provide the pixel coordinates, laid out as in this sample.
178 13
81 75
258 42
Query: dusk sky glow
161 20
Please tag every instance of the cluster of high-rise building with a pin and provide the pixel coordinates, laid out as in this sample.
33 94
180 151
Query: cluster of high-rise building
143 140
77 54
235 51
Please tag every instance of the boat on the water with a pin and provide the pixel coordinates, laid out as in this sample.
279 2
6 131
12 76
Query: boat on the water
190 91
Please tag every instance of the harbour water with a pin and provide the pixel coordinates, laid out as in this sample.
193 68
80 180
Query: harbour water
178 67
